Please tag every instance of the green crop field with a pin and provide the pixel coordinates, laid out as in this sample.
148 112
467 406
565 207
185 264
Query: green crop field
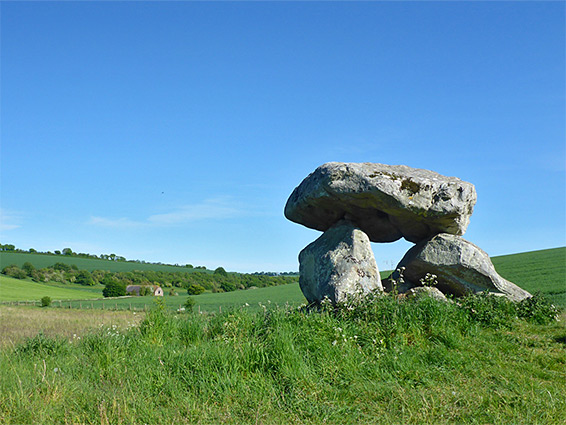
543 271
24 290
254 298
90 264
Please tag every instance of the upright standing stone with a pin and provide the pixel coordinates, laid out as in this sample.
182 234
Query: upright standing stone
339 263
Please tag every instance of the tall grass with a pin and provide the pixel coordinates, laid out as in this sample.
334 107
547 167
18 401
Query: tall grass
384 361
19 323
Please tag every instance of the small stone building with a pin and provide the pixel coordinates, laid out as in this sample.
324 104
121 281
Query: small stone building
156 291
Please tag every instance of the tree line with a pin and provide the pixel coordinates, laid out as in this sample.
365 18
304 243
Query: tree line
70 253
195 282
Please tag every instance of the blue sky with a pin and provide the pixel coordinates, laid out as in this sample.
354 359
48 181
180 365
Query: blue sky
175 131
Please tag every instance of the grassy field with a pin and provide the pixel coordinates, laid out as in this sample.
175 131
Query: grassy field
260 359
543 271
385 362
207 302
19 323
25 290
90 264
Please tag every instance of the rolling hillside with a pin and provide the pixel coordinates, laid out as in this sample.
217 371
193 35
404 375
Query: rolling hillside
45 260
24 290
543 271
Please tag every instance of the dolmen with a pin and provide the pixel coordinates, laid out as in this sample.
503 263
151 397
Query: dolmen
358 203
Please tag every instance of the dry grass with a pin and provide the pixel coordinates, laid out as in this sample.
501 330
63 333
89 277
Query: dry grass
18 323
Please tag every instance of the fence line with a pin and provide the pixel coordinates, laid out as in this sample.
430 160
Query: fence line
79 306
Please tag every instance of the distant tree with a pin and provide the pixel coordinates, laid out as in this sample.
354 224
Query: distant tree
228 285
38 276
195 289
57 252
108 279
67 251
14 271
33 251
46 301
28 268
220 271
114 289
62 266
98 275
83 277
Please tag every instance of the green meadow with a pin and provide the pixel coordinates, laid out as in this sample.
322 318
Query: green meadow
543 271
256 357
25 290
385 361
87 298
46 260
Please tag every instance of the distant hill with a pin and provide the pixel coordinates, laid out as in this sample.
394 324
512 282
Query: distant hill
543 271
46 260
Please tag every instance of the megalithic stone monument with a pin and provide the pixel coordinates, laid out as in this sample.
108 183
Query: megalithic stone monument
354 203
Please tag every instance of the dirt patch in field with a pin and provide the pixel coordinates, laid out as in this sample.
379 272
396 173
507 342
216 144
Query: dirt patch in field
19 323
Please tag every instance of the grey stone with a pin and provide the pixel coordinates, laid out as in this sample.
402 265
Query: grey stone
387 202
340 263
426 291
460 266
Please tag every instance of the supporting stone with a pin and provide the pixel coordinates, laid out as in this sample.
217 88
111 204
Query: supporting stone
339 264
460 266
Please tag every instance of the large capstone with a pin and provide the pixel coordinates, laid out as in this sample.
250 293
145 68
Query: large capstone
387 202
338 265
460 266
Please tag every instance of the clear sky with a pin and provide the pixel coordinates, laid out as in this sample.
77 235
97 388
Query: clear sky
175 131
